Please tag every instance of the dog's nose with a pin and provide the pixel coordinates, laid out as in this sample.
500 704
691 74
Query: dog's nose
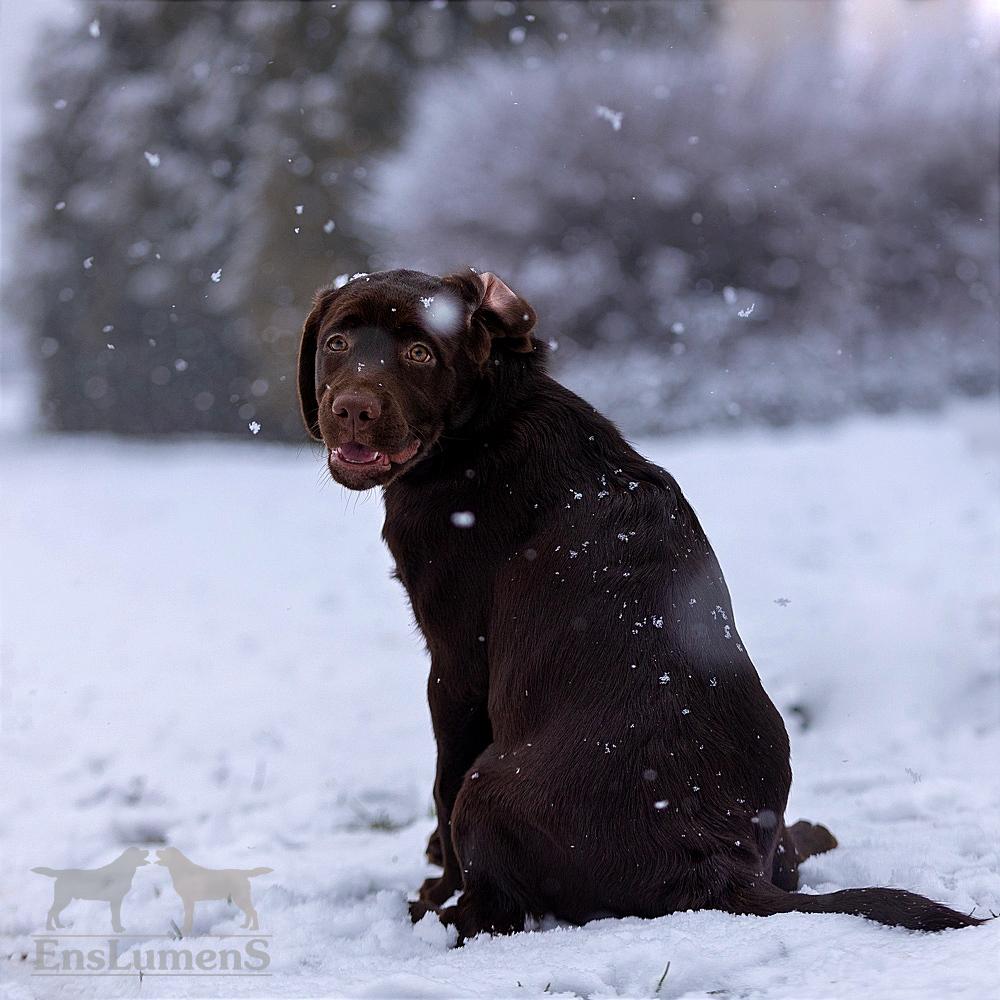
354 409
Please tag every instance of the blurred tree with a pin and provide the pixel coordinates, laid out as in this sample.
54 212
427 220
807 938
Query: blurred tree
784 237
197 175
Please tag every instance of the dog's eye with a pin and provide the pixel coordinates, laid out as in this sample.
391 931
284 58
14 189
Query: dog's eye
419 353
336 343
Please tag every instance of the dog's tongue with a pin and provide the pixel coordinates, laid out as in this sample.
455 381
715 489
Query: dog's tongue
359 453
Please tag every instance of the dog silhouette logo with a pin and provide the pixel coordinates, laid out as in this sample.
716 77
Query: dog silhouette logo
110 884
194 884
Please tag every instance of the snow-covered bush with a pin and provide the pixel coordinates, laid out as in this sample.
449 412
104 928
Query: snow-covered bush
196 176
712 239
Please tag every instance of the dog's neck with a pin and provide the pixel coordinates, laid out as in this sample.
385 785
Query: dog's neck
508 381
515 400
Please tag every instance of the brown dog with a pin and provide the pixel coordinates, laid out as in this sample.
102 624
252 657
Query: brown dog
604 743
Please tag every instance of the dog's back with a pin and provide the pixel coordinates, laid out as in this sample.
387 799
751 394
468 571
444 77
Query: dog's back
192 881
113 879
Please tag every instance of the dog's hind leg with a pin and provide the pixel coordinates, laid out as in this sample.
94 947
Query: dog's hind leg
505 858
188 917
796 843
116 914
785 866
60 900
244 901
483 907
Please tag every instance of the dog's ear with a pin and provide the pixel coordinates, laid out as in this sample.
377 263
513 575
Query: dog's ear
498 314
308 403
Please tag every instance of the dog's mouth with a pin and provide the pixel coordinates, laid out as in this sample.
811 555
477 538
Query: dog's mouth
360 466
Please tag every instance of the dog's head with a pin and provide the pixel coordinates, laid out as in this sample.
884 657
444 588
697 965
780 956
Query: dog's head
166 855
135 856
389 361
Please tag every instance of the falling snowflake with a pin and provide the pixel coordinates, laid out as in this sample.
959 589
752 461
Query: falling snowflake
94 28
88 263
444 315
782 601
153 159
745 313
254 427
463 519
614 118
329 226
217 276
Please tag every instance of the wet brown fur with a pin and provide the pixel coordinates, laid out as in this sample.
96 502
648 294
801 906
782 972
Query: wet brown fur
605 746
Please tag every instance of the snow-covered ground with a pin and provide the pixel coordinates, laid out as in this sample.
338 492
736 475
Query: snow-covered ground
202 647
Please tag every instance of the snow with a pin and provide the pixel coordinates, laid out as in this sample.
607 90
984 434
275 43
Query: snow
203 647
614 118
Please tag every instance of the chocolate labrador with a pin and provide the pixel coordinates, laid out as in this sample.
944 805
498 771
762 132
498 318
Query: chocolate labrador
605 746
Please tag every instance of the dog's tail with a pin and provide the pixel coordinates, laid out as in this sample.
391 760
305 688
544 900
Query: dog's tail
51 872
257 871
895 907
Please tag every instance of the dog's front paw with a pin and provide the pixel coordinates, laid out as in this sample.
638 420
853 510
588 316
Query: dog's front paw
436 891
419 909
